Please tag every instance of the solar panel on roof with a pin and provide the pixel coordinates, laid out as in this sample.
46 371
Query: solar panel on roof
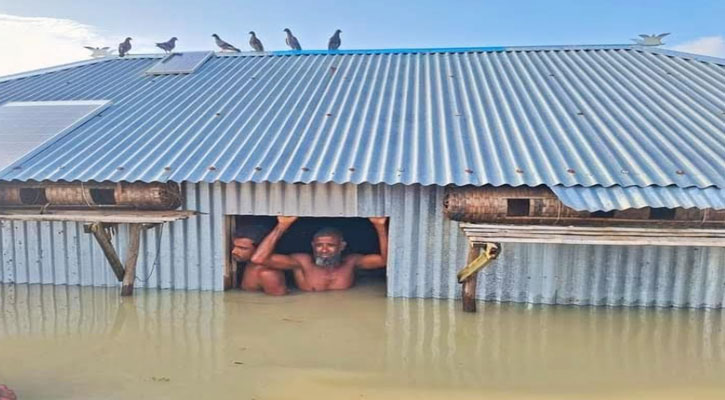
26 127
180 63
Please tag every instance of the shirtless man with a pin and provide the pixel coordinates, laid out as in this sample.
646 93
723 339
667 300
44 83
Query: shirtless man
256 276
325 269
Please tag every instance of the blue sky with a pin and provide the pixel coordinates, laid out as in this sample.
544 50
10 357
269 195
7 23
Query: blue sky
370 23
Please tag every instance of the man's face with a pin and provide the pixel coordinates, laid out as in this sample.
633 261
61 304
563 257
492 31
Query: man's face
243 249
327 250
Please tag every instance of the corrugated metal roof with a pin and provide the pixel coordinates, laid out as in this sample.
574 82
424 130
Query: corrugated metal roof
556 116
597 198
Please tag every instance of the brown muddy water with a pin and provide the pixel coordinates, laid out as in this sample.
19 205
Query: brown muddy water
60 342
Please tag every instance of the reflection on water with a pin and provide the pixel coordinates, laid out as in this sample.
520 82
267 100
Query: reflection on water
71 342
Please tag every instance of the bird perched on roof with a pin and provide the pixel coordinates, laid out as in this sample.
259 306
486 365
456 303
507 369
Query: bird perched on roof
99 52
335 41
255 42
124 47
168 45
291 40
650 40
224 45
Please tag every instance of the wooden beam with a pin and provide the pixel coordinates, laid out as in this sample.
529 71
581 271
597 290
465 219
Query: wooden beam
104 240
91 216
631 236
469 284
134 241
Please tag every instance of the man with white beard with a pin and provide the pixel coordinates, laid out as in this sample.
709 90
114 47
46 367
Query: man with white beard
326 268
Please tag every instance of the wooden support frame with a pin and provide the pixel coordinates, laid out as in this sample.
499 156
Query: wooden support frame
98 222
98 229
478 258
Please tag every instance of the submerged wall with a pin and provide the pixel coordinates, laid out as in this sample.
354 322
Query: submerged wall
426 251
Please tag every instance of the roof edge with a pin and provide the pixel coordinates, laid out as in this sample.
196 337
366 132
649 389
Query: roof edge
427 50
682 54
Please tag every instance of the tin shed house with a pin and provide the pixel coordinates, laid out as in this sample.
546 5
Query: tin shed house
599 169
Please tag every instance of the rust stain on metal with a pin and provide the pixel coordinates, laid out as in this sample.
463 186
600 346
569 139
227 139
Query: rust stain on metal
571 171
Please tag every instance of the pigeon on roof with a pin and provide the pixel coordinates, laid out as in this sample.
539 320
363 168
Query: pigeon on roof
224 45
167 46
650 40
291 40
335 41
124 47
99 52
255 42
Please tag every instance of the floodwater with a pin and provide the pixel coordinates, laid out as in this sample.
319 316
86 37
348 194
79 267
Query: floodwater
60 342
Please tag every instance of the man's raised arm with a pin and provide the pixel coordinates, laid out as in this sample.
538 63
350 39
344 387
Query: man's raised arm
264 255
373 261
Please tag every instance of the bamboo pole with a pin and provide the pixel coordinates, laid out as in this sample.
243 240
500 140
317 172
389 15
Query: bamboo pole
134 241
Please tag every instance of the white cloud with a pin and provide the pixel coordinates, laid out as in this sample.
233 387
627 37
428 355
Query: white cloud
39 42
43 42
709 45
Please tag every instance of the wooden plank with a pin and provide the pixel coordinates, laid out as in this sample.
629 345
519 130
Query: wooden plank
480 233
106 216
104 240
134 241
528 228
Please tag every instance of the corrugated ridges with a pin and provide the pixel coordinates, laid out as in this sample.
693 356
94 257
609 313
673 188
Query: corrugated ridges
597 198
608 116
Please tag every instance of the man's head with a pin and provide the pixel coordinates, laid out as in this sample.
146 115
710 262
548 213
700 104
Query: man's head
246 239
327 247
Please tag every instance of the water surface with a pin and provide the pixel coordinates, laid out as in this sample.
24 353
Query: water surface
59 342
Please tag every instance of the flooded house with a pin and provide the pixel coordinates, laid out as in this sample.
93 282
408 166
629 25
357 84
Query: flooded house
597 172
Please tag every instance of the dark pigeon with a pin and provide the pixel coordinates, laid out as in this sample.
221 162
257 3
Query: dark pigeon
124 47
291 40
224 45
335 41
167 46
255 42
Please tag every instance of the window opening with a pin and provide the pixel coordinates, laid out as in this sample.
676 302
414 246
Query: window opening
517 207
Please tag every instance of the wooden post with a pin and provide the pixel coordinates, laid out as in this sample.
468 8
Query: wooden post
230 266
105 242
469 285
134 241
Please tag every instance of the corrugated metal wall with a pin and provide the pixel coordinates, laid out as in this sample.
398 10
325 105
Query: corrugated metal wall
426 251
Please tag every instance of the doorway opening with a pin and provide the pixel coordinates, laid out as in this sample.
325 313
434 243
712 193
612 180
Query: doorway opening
359 234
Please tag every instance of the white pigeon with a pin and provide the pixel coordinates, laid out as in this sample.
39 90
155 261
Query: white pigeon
99 52
650 40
